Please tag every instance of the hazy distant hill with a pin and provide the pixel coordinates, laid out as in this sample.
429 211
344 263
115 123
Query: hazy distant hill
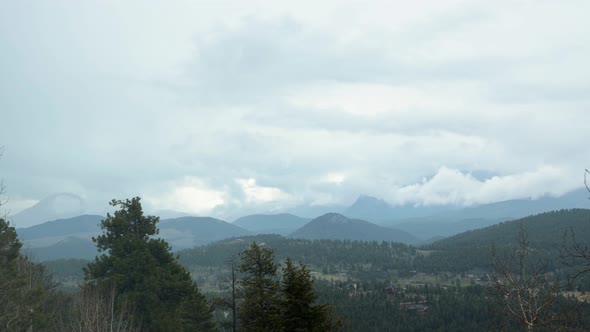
544 230
337 226
58 206
455 221
312 211
271 223
71 238
70 247
81 225
442 226
377 210
472 249
188 232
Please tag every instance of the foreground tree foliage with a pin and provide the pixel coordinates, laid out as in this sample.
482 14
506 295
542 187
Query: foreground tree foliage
143 271
260 309
300 312
24 286
270 305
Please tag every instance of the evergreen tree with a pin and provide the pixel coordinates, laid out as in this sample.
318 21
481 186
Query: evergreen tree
299 309
144 271
24 286
260 310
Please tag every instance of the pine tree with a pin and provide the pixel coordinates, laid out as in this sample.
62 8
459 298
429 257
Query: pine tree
143 270
299 309
260 310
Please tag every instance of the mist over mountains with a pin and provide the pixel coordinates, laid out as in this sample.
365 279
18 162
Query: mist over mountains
367 219
283 224
57 206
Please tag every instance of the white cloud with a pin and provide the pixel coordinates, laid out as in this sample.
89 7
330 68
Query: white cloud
191 196
177 100
259 194
333 178
450 186
15 205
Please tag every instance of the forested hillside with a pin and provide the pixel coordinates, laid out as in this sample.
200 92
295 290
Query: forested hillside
472 249
388 286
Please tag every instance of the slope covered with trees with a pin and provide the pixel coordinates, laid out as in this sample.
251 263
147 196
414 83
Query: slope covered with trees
143 271
471 249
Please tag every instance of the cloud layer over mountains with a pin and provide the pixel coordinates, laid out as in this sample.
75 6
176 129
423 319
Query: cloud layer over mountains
213 107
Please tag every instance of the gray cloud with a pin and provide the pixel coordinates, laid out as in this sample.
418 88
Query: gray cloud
264 108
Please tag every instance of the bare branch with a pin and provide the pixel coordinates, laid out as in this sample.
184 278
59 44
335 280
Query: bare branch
575 255
586 180
528 294
2 185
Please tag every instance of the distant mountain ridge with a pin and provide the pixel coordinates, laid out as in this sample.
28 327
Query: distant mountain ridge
378 210
70 247
57 206
544 230
187 232
335 226
453 221
71 237
473 249
86 224
282 224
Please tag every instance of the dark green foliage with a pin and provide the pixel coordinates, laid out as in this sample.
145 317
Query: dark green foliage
545 230
300 312
144 271
332 255
270 305
9 245
471 250
260 310
448 309
24 286
358 274
192 315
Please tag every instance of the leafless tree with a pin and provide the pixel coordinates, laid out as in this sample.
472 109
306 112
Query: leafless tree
230 286
528 294
2 185
97 310
575 254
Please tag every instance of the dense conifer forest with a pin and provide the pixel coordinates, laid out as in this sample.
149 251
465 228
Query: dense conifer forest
340 285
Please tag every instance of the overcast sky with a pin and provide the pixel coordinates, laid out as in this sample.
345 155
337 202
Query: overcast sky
212 107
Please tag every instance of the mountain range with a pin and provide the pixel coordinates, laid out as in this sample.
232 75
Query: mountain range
57 206
71 237
187 232
282 224
453 221
369 218
334 226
